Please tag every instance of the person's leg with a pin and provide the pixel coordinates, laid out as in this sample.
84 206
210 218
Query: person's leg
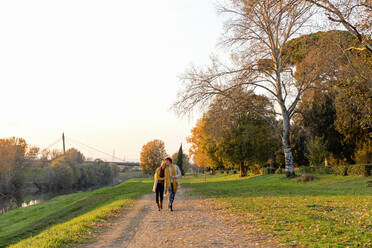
157 195
171 197
161 195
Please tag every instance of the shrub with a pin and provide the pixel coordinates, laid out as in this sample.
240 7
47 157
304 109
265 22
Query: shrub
316 169
255 169
336 161
363 155
328 170
280 171
359 170
317 151
341 170
305 169
269 170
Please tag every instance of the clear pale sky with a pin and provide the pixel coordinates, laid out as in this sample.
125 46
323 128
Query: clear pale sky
103 72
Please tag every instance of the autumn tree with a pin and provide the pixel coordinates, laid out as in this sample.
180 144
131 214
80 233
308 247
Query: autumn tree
152 154
247 144
257 31
231 136
15 153
73 155
240 136
196 140
354 15
339 107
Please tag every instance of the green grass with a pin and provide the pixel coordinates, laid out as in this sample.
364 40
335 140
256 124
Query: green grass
69 219
333 211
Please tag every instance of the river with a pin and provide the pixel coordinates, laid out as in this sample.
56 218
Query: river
23 200
27 198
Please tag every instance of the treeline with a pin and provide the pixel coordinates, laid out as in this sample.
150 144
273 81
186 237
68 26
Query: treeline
313 90
331 125
22 165
63 174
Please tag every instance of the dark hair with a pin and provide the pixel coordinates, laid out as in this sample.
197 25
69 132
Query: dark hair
169 159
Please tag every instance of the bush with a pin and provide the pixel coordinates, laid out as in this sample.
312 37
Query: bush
255 169
305 169
317 151
340 170
269 170
280 171
363 155
315 169
359 170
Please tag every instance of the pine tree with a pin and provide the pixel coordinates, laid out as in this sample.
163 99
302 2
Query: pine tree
179 161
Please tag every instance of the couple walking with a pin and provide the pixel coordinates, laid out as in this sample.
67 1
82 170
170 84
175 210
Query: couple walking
165 181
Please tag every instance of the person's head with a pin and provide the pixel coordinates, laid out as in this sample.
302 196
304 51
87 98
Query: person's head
168 160
163 164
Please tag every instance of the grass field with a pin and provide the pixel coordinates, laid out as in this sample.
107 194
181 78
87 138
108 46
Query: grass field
68 219
332 211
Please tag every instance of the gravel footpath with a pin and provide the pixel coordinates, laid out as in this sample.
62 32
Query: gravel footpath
193 223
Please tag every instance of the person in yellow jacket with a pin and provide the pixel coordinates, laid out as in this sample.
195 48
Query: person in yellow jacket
159 181
172 173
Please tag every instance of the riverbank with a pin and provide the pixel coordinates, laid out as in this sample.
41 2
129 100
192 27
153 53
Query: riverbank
68 219
30 195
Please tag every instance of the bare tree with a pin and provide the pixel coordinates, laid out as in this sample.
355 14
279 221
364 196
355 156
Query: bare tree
354 15
257 31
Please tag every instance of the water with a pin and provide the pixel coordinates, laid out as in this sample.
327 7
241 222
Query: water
20 201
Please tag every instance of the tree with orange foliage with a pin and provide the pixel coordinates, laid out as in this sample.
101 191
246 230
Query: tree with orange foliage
152 155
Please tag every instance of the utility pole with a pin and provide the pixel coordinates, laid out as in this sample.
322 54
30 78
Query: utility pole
63 139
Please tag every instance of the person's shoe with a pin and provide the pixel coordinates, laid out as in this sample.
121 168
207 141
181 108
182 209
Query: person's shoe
158 206
161 205
171 208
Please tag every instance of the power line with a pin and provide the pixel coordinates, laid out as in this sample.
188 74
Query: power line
93 148
52 144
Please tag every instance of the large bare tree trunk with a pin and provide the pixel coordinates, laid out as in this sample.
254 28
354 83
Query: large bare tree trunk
289 168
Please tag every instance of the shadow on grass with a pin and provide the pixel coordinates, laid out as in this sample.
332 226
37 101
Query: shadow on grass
65 210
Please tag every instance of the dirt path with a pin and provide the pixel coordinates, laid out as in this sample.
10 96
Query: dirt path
193 223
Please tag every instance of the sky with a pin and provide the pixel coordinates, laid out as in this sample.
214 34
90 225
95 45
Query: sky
103 72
